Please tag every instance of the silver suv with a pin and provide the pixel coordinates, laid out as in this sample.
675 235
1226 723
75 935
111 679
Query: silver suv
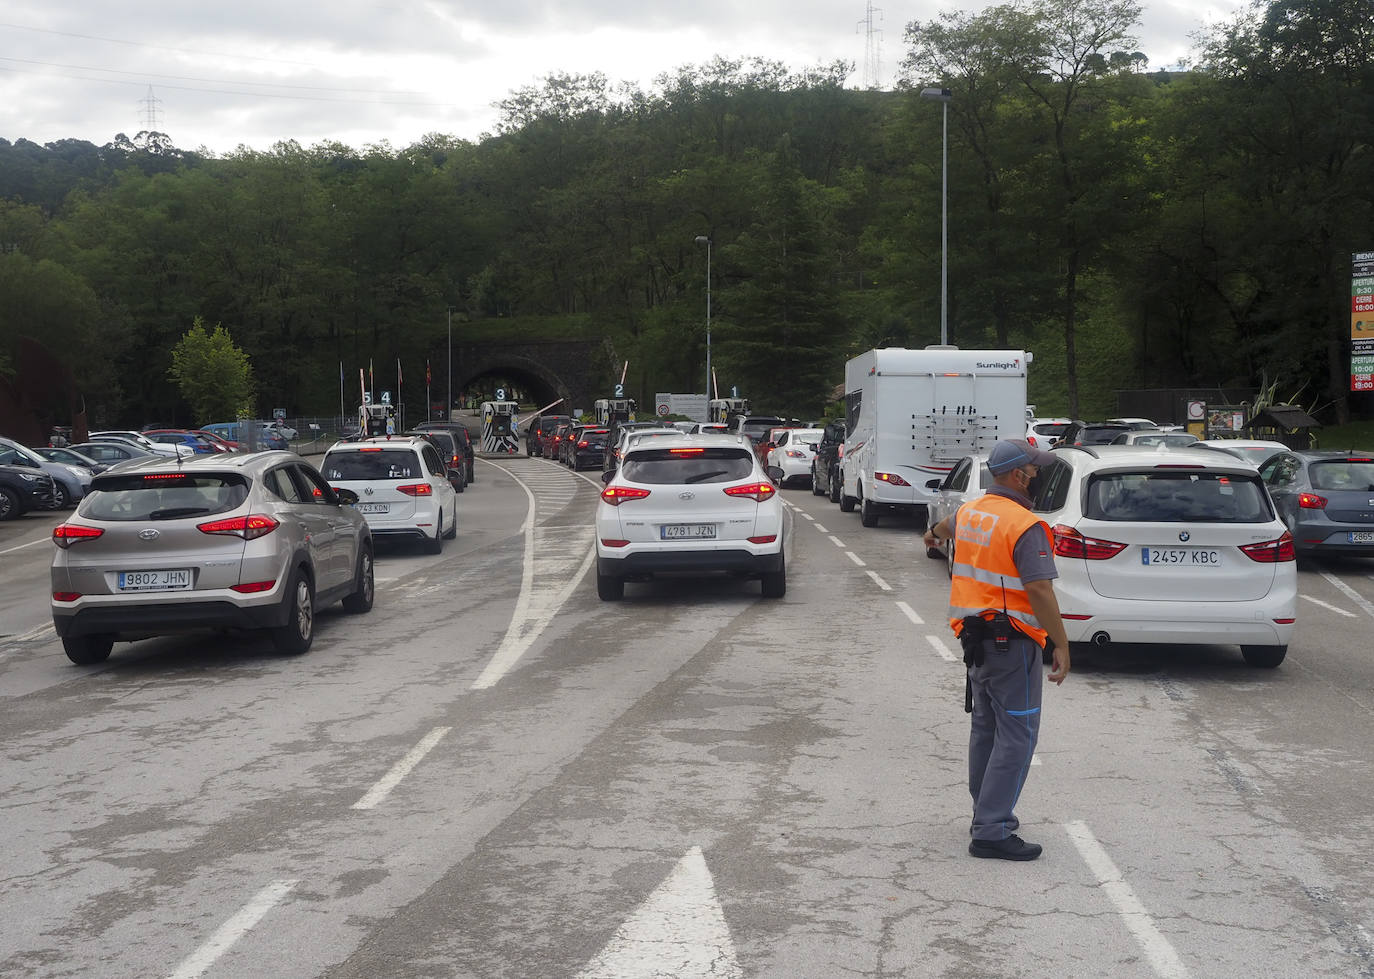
255 541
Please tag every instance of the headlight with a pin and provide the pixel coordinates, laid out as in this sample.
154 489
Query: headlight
30 477
80 473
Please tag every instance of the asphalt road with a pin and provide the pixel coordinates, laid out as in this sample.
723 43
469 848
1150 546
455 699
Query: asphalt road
496 774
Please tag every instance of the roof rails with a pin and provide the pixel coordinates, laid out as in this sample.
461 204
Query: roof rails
1081 448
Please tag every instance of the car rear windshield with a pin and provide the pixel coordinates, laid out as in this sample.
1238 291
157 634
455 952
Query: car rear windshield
1100 434
1054 429
688 465
1174 496
163 496
1343 474
757 428
373 464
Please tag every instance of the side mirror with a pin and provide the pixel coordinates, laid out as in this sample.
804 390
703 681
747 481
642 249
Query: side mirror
775 474
608 475
345 496
933 483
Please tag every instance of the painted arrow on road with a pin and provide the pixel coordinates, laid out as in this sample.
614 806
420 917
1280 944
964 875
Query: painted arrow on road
679 932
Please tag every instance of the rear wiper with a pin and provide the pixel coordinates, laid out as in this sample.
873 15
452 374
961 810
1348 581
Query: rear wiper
171 513
701 476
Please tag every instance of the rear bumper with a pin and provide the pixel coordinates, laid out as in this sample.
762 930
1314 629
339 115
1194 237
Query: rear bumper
737 561
1181 623
157 620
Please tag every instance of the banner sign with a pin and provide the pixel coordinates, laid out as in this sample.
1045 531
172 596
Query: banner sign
1362 321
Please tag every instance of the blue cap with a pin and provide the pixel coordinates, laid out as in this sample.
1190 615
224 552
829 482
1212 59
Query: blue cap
1009 454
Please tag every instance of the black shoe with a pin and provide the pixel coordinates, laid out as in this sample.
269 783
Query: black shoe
1012 848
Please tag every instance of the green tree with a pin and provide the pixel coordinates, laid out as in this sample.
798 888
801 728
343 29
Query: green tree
214 376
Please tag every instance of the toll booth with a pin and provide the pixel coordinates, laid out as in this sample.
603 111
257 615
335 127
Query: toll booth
608 411
722 410
500 433
376 420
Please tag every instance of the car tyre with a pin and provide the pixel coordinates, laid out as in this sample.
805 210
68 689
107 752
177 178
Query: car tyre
609 588
775 582
472 471
868 512
296 636
846 502
816 488
1267 657
834 488
452 531
9 505
60 499
88 650
364 586
435 544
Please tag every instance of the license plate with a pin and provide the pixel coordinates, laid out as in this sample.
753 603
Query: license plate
175 579
373 507
687 531
1188 557
1361 537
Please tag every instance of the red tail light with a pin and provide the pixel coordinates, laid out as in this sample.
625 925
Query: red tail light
1070 543
251 527
1272 551
1311 501
67 534
416 489
253 587
1030 440
794 454
891 478
616 495
755 491
65 596
582 444
763 539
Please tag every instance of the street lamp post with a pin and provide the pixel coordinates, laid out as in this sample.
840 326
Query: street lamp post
943 95
704 240
448 405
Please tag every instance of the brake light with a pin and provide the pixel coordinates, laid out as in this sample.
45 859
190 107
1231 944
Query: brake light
616 495
758 492
1070 543
582 444
891 478
253 587
610 542
1030 440
251 527
686 452
1311 501
1272 551
763 539
65 596
371 449
67 534
794 454
416 489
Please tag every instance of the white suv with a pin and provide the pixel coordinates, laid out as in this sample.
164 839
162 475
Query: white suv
402 485
1175 546
695 503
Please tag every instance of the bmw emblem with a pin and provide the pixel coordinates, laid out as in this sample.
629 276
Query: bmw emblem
149 534
689 495
1184 536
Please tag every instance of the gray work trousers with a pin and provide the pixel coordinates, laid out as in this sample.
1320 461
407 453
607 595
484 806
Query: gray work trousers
1005 727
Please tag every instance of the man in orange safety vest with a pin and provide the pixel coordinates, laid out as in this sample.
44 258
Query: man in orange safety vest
1004 611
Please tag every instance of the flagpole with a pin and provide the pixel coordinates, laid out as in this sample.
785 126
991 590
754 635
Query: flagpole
400 401
341 397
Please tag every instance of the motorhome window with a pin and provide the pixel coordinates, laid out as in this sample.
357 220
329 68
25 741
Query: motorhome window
852 402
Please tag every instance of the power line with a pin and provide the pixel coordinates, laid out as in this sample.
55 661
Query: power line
208 81
144 44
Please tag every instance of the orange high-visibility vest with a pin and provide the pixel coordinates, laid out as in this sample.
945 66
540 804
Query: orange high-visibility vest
984 577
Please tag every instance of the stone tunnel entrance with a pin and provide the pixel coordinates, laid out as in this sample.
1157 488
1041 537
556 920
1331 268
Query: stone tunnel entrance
535 372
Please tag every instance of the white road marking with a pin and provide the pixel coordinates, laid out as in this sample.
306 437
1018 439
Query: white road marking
855 558
34 635
400 770
878 581
232 930
822 529
806 515
1329 607
1161 955
910 613
20 547
938 644
836 541
1350 593
679 930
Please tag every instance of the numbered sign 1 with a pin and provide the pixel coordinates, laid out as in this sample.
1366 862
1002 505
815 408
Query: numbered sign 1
500 394
734 391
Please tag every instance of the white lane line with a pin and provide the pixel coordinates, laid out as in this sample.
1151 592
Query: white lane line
232 930
20 547
822 529
1350 593
855 558
836 541
806 516
34 635
910 613
400 770
945 653
878 581
1329 607
1161 955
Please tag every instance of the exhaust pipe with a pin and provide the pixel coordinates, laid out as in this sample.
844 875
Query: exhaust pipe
1101 638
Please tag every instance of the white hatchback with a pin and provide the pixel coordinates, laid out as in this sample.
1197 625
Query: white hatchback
1181 546
402 485
794 452
696 504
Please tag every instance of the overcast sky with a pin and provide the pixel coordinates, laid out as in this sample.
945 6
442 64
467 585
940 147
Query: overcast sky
231 73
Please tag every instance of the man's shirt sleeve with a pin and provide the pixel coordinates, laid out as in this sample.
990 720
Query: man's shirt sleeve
1034 556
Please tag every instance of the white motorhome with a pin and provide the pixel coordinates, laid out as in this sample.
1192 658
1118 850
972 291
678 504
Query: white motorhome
912 414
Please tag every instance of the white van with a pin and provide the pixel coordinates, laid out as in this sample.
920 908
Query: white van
912 414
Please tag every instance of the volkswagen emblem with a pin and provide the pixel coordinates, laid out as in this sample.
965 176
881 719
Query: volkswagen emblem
149 534
1184 536
689 495
367 490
